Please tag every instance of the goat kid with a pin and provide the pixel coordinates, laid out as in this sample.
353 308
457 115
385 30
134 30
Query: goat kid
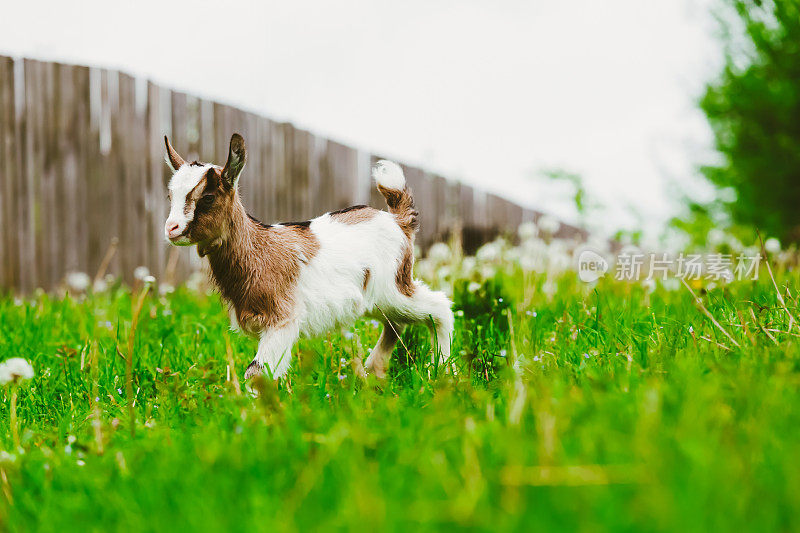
284 280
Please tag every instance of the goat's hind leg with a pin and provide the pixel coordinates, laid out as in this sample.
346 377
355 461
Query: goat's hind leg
274 351
433 309
378 359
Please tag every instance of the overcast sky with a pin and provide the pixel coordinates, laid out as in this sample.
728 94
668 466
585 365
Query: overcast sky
489 92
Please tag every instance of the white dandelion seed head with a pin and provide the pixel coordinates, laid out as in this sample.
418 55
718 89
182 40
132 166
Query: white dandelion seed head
468 264
548 224
715 236
165 288
78 281
141 272
489 252
439 253
671 284
149 280
772 245
487 272
100 286
527 230
15 370
649 285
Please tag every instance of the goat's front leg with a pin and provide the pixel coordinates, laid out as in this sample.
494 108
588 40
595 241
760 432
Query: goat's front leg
274 351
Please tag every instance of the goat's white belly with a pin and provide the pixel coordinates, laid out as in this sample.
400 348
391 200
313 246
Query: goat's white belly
331 289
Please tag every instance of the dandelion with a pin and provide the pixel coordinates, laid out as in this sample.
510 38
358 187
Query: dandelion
473 286
165 288
439 252
649 285
527 230
343 361
772 245
15 370
468 264
141 272
715 236
348 335
488 252
671 284
549 225
503 353
80 462
100 286
78 281
149 280
342 377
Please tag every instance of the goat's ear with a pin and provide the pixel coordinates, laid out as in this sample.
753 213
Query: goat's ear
237 155
173 158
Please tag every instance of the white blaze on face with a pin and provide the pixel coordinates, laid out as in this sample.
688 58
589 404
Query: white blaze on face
181 211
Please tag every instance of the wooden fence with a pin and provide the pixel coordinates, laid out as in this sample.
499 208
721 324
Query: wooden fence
82 166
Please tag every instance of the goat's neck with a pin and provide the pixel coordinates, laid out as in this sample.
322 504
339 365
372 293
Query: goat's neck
233 256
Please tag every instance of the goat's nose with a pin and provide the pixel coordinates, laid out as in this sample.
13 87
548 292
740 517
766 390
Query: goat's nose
172 228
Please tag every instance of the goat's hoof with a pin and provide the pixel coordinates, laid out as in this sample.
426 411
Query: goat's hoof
253 369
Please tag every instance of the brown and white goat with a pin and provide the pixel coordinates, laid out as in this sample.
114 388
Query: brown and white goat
284 280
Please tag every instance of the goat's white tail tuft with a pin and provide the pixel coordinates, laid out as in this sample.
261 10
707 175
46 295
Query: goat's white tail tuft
389 175
392 185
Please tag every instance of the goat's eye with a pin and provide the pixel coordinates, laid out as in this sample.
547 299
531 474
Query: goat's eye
206 201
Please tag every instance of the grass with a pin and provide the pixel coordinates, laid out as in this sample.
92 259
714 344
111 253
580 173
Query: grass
601 407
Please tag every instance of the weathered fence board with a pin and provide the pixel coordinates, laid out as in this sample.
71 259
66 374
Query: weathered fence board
82 167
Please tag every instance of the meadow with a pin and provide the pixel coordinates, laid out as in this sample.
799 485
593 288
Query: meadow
606 406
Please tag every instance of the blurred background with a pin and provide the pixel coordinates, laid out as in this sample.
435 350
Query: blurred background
650 122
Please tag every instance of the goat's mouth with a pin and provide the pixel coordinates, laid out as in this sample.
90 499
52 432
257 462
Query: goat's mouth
180 240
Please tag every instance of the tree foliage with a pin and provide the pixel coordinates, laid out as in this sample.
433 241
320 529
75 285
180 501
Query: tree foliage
754 110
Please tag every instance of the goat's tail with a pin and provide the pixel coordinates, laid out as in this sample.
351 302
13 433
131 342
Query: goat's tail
392 185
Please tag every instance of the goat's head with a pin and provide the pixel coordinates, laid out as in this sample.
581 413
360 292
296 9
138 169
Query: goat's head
201 196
